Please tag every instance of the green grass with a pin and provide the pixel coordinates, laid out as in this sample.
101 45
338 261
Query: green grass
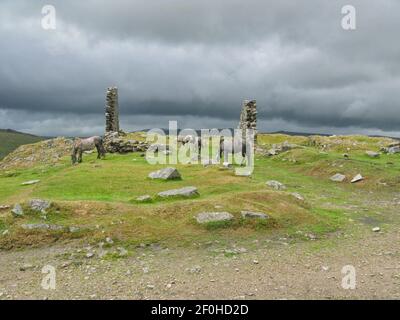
10 140
99 195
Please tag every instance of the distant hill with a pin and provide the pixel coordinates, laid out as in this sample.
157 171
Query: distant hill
11 139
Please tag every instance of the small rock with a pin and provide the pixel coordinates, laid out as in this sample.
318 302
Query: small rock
17 211
144 198
206 217
26 266
338 177
4 207
165 174
376 229
5 232
150 286
276 185
122 252
252 215
89 255
27 183
298 196
357 178
109 240
372 154
255 261
195 269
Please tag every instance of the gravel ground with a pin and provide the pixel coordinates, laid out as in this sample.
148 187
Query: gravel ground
260 269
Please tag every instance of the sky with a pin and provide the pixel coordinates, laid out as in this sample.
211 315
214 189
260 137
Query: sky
195 61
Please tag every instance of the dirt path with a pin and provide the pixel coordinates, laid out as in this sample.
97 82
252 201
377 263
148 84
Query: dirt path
261 269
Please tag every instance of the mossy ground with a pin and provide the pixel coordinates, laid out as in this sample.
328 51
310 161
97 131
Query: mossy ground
98 195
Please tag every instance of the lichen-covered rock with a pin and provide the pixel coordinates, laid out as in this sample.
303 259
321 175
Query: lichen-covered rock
338 177
206 217
17 211
39 205
276 185
182 192
165 174
252 215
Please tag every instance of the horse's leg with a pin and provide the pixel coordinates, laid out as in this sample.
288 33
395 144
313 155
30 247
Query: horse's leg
73 155
80 155
98 151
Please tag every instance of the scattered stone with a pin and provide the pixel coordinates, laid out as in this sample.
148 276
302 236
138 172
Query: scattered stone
165 174
182 192
338 177
252 215
89 255
276 185
255 261
27 183
150 286
325 268
376 229
109 240
26 267
144 198
357 178
4 207
42 226
372 154
39 205
17 211
206 217
145 270
195 269
74 229
298 196
122 252
5 232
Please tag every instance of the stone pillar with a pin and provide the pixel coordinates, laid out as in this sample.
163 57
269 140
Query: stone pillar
112 112
248 116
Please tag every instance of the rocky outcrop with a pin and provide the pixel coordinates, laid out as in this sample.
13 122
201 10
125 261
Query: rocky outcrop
276 185
338 177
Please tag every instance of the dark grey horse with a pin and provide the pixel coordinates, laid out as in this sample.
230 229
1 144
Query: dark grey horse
226 147
81 145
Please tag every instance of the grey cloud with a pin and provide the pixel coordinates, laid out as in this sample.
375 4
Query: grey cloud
197 60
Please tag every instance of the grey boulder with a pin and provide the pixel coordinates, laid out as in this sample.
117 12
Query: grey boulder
206 217
182 192
252 215
17 211
165 174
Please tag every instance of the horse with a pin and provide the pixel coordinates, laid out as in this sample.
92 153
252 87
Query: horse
232 148
81 145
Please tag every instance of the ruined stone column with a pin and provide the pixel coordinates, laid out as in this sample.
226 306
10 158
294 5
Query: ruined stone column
112 116
248 116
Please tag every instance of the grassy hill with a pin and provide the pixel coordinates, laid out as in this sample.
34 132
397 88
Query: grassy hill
10 140
99 195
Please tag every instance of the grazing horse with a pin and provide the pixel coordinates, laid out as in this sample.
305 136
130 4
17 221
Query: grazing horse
81 145
232 148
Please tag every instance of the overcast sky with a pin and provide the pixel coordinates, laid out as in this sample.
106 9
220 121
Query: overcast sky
196 60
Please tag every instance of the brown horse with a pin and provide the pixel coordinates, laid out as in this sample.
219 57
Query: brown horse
81 145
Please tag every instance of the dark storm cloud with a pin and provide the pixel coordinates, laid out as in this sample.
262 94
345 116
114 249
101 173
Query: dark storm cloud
195 61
